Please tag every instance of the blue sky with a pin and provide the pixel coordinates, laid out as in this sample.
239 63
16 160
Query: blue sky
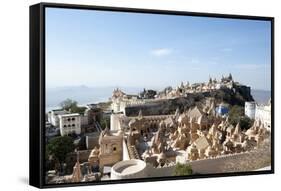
98 48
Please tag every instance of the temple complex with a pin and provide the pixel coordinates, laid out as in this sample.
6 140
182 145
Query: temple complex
138 146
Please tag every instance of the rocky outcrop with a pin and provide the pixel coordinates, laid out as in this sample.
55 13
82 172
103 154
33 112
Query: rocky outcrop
235 96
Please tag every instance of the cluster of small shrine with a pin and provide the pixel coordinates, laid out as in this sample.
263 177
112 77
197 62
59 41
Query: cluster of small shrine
196 134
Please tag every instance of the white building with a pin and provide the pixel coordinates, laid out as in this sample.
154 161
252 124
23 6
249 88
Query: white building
118 105
53 116
115 121
263 113
70 123
259 112
250 109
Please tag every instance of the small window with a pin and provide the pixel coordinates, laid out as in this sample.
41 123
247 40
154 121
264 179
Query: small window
68 119
69 125
64 126
114 149
73 118
73 125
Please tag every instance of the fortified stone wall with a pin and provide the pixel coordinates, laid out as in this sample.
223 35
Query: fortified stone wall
160 107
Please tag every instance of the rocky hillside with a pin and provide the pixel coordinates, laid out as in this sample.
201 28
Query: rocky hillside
235 96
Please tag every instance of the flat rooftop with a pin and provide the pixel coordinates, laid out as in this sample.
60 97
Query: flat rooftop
70 115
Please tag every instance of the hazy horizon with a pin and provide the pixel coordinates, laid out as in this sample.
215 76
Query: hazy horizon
85 95
157 88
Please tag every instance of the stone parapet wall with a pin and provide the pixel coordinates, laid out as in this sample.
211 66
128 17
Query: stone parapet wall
246 161
231 163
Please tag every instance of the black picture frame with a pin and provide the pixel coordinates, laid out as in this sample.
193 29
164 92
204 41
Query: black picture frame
37 92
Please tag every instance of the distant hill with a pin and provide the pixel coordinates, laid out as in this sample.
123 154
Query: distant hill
261 96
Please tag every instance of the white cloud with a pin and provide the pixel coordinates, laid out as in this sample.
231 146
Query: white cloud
161 52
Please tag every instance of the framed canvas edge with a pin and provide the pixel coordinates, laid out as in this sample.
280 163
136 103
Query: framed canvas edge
37 88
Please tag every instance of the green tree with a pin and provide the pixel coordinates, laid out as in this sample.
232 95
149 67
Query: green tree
237 114
68 104
246 122
182 170
59 147
72 105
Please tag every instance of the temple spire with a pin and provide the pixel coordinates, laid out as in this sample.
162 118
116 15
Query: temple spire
230 76
76 175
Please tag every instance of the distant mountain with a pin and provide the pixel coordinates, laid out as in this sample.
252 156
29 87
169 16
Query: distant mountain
261 96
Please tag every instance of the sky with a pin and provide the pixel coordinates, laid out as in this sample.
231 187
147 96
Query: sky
104 49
